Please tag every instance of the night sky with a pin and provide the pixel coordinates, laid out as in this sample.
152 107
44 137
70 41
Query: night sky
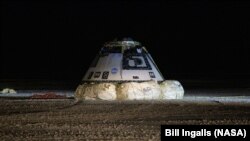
188 40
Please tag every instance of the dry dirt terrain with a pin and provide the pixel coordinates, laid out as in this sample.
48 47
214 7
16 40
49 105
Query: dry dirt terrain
88 120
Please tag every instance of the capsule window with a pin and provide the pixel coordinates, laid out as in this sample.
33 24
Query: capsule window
151 74
135 77
97 74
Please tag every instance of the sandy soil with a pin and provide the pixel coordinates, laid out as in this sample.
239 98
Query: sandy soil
102 120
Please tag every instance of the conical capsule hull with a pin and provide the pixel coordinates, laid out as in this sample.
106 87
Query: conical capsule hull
121 61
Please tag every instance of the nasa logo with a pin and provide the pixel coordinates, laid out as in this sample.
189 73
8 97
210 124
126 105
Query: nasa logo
114 70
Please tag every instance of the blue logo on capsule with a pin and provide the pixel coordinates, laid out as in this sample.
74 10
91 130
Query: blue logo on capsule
114 70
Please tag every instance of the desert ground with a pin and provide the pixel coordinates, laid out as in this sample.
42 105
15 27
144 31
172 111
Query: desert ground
67 119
